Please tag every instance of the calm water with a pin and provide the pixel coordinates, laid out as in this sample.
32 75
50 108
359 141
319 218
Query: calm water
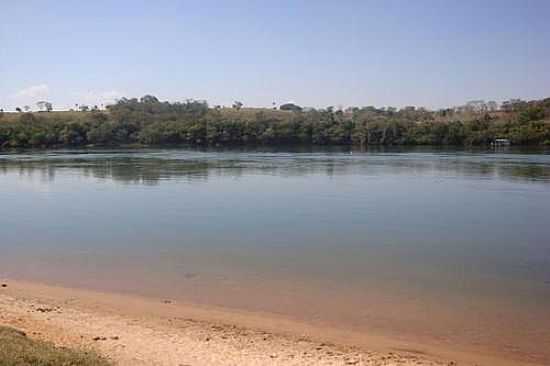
451 246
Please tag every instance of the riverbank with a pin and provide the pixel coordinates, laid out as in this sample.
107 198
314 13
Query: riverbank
150 122
132 330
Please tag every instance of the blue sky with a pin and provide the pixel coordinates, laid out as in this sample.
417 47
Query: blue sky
315 53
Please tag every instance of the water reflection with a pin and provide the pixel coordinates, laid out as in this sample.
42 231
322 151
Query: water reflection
149 167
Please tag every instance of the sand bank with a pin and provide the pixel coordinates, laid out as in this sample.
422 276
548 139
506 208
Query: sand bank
132 330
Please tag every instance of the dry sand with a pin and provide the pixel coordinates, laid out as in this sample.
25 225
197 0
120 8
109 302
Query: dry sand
138 331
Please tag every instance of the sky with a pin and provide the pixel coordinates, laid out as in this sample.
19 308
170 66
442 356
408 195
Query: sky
314 53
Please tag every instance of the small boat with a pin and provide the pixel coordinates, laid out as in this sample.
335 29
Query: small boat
501 142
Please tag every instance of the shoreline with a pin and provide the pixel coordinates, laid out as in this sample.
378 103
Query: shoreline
131 329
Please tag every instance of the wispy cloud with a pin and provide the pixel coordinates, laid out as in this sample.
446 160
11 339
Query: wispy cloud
34 91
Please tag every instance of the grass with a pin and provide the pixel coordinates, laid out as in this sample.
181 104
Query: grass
56 115
244 113
16 349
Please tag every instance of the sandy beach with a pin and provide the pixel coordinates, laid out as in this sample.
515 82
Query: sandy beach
131 330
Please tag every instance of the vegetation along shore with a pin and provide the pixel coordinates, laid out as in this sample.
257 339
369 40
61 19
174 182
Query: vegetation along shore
148 121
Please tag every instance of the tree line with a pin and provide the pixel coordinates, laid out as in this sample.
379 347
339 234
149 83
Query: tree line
148 121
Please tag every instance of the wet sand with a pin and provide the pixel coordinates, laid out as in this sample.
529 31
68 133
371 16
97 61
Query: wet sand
133 330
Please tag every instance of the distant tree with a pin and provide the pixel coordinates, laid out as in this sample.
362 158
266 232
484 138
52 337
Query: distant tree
290 107
512 105
26 108
531 113
149 99
44 106
18 109
237 105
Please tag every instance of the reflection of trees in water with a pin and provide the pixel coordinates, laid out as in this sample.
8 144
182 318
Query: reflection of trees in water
144 171
46 173
127 171
529 171
152 170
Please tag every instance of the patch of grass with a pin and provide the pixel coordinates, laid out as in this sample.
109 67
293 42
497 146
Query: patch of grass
16 349
247 114
69 116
